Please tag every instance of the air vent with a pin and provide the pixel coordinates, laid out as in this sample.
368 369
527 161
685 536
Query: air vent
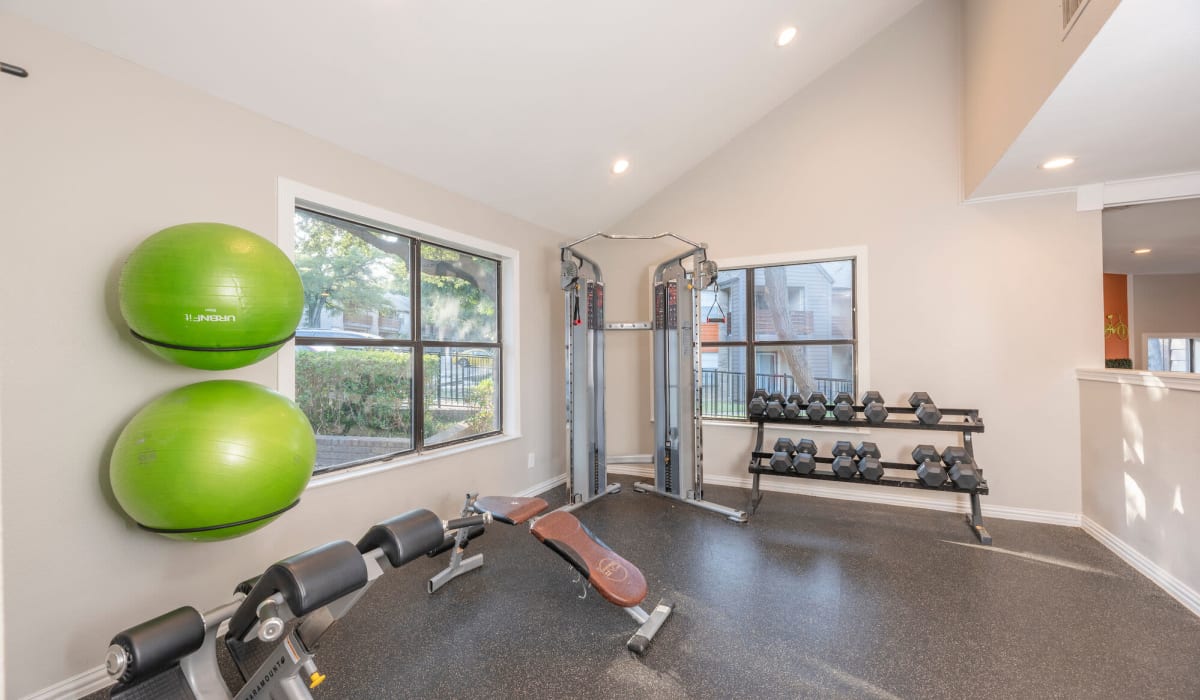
1071 9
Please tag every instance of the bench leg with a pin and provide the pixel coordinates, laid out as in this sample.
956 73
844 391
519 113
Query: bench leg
457 568
640 641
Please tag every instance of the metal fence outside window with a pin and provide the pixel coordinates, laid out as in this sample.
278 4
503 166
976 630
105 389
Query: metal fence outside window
725 393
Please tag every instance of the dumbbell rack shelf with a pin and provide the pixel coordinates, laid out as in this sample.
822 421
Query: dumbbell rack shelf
968 424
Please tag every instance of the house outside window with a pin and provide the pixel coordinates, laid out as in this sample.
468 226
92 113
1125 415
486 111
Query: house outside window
798 335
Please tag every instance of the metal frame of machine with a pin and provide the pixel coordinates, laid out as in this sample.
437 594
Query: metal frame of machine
679 444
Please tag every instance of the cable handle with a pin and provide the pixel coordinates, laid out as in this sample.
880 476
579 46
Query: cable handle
469 521
13 70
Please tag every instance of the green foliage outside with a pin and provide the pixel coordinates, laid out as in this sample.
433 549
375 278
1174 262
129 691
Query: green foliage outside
369 393
347 268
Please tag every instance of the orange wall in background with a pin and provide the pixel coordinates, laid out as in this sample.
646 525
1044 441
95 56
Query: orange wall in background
1116 304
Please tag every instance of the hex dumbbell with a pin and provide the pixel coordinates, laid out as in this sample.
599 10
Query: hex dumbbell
781 460
962 472
843 460
929 465
927 412
758 406
794 407
843 408
873 409
803 463
774 409
869 466
816 406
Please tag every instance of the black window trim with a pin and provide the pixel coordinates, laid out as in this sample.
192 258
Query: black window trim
414 343
750 344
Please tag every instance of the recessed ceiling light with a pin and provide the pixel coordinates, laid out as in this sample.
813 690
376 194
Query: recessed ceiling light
1055 163
786 36
1140 251
620 166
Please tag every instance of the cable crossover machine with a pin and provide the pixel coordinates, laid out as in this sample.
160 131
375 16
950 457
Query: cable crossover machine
679 453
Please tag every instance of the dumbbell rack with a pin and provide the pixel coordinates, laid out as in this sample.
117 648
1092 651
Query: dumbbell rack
965 421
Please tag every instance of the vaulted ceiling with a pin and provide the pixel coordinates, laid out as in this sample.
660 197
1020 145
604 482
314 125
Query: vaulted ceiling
523 104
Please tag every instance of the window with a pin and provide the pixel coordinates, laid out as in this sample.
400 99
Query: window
798 335
1173 354
398 348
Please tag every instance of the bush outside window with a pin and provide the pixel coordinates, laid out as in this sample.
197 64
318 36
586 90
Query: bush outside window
384 313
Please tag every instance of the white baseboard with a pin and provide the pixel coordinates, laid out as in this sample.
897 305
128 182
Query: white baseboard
951 503
543 486
75 687
1185 594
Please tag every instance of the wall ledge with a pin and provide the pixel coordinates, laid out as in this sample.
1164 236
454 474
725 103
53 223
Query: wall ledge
1136 377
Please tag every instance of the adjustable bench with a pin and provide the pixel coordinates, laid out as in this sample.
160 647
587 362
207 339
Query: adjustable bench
614 578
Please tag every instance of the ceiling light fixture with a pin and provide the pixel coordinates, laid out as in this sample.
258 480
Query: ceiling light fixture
1056 163
786 36
620 166
1140 251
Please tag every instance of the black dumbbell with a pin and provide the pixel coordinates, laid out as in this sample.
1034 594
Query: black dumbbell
843 409
782 457
927 412
794 407
758 406
929 466
962 468
803 463
816 406
867 449
843 459
759 392
774 409
870 468
873 409
806 446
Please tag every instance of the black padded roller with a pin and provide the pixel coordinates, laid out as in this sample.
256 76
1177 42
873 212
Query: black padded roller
405 537
158 643
308 581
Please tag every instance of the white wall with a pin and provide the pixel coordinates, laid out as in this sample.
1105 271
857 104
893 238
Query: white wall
1140 481
870 155
1015 55
1161 304
97 155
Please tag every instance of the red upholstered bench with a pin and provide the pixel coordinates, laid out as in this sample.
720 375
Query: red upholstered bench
620 582
614 577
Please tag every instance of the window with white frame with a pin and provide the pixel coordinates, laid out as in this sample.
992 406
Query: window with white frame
399 346
798 334
1173 354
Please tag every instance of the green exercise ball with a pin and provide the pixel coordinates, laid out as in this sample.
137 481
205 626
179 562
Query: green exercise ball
213 460
211 296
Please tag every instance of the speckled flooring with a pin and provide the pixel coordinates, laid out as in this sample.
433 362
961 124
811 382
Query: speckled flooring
813 598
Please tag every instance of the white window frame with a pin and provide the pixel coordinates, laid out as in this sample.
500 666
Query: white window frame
292 194
862 318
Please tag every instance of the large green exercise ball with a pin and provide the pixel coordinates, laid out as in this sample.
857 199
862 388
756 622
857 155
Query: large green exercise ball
213 460
211 296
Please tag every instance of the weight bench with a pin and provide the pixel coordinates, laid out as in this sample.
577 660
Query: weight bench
275 621
614 578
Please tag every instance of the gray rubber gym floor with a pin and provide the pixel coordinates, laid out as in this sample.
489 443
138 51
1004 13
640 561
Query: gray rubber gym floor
813 598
